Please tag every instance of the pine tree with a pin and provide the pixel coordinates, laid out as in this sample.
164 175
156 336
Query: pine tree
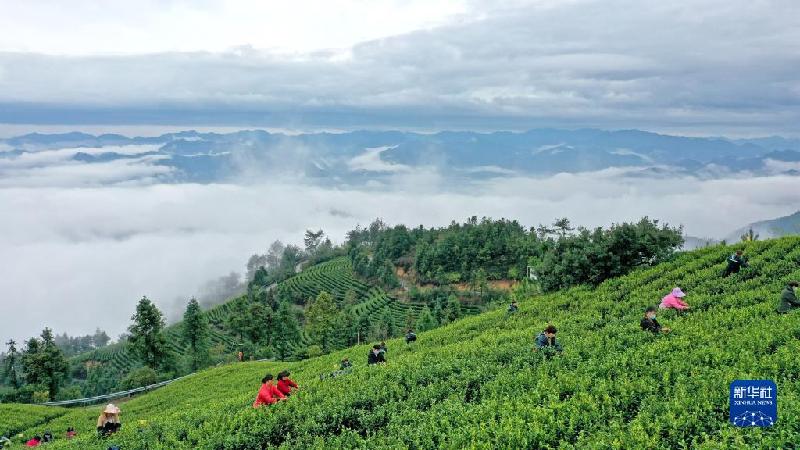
320 319
363 328
30 361
388 321
387 276
196 334
10 365
453 308
426 321
342 335
147 338
439 313
258 324
287 331
44 363
100 338
237 320
54 364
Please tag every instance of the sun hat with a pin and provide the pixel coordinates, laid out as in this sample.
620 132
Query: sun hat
111 409
677 292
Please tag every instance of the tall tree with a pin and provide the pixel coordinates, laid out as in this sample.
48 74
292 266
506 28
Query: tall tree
237 320
426 321
312 240
147 338
320 318
10 365
196 333
388 326
44 363
30 361
54 364
453 308
287 331
259 323
255 262
100 338
563 226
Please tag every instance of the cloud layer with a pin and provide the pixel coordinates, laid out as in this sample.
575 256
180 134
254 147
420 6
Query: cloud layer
80 257
709 66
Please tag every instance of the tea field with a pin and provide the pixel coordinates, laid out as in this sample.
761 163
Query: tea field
477 384
16 418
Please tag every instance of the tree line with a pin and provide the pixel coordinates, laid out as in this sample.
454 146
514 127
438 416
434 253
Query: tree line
478 251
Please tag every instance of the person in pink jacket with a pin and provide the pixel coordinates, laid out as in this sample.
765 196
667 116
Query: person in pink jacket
673 300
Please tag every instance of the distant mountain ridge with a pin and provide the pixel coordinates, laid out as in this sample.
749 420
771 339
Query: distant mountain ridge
772 228
359 156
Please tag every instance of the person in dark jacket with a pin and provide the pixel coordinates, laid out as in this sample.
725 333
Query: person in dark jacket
735 262
513 307
375 356
345 364
410 336
789 299
649 322
384 349
546 341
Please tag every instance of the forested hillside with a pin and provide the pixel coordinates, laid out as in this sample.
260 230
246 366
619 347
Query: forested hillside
381 281
476 383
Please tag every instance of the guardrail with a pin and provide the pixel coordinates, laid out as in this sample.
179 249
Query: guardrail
112 396
121 394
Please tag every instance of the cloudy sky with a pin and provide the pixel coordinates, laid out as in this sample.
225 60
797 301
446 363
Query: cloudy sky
80 244
725 67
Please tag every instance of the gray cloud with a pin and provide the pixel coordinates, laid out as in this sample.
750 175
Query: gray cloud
707 66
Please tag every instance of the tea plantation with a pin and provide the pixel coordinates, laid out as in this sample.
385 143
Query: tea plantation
16 418
477 384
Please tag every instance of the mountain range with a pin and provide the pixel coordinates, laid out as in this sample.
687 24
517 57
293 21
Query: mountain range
360 156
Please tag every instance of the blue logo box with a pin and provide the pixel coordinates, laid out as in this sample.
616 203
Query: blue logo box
753 403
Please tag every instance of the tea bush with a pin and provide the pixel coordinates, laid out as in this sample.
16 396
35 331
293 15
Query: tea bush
477 384
15 418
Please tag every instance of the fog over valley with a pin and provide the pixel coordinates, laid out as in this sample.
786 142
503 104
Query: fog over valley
87 231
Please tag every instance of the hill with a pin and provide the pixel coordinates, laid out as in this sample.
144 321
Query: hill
614 387
772 228
370 305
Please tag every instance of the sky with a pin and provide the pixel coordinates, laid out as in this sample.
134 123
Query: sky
708 67
80 244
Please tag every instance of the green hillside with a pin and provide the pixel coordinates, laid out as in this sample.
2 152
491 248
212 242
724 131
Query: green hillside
15 418
335 277
614 387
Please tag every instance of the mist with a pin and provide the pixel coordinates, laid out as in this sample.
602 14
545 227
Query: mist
80 257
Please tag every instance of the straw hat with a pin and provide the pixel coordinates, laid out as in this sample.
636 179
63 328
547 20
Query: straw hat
111 409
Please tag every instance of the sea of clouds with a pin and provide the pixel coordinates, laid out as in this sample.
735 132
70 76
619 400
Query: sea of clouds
81 243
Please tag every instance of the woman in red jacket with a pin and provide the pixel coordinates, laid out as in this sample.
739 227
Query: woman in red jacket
285 384
268 394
